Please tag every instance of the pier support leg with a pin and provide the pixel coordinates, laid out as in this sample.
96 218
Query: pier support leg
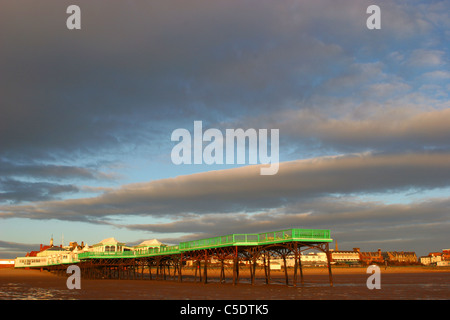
222 271
285 270
251 271
254 269
157 269
265 268
235 267
205 269
301 268
329 264
234 270
180 276
295 268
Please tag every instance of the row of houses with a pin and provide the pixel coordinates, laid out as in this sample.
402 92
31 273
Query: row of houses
48 255
358 257
440 259
375 257
51 254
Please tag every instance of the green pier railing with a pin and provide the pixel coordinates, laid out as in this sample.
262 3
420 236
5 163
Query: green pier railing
247 239
305 235
163 250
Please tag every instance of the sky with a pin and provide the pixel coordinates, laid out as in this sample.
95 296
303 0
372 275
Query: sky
86 118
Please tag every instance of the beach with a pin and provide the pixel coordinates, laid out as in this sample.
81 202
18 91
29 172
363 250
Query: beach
397 283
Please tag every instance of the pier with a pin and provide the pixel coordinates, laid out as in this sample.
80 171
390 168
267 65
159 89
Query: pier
234 251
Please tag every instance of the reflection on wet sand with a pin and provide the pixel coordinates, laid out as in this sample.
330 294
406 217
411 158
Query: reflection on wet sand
349 283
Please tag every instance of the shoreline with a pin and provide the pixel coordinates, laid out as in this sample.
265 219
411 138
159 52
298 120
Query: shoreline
243 270
397 283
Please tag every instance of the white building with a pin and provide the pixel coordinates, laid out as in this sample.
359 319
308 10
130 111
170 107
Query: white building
108 245
52 252
6 263
29 262
314 258
348 257
148 246
430 259
309 259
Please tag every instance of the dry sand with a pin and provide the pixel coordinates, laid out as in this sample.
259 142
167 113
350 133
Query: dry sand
397 283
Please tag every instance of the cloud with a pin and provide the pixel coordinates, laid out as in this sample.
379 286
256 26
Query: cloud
369 126
438 75
23 181
14 249
427 58
16 191
244 190
353 222
47 171
339 213
121 85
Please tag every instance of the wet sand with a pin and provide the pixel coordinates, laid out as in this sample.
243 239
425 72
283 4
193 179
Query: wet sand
397 283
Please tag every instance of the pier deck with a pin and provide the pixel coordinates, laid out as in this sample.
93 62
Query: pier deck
230 250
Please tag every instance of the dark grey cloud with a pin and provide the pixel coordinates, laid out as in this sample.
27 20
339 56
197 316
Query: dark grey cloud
16 191
10 250
35 181
48 171
135 66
